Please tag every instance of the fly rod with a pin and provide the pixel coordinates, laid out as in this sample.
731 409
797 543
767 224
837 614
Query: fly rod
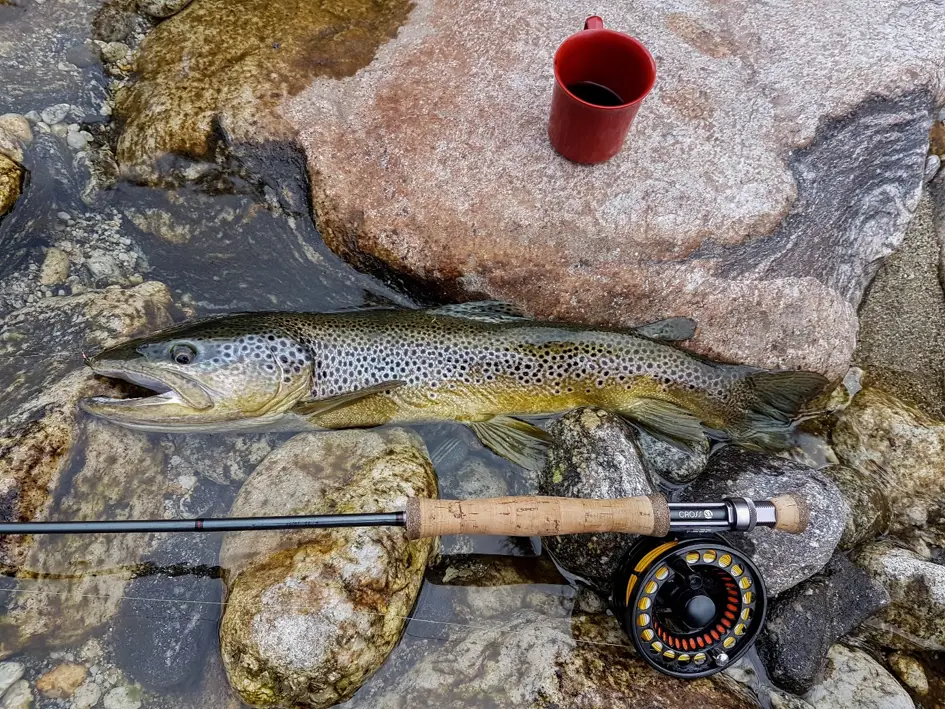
503 516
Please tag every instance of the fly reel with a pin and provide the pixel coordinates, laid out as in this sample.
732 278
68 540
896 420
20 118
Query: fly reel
691 606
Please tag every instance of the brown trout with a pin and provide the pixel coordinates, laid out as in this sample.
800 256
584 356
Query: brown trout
481 364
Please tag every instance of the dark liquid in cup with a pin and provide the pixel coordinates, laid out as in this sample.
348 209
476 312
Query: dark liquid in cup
597 94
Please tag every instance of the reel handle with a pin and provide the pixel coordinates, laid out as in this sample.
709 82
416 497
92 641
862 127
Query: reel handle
537 516
552 516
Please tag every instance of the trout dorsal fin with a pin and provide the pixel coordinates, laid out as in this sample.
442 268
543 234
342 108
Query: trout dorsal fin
668 329
521 442
311 407
493 311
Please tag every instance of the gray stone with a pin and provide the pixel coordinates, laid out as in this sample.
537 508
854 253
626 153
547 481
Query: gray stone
311 614
783 559
932 164
533 662
854 679
916 616
86 696
805 621
593 455
19 696
668 462
55 268
10 672
867 496
122 697
55 114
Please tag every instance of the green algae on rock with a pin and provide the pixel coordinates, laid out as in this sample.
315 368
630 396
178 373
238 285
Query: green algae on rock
223 66
311 614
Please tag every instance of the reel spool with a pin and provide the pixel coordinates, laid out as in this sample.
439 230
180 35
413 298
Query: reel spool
691 606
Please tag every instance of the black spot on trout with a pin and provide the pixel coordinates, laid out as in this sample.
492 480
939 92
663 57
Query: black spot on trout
481 364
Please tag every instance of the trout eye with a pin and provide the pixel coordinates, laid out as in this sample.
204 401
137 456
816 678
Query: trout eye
183 354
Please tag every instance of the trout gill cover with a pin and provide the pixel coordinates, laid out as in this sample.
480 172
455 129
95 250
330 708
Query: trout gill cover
481 364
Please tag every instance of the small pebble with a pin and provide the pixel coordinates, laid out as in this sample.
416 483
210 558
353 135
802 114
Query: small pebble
62 681
59 130
55 114
932 164
19 696
136 279
17 126
64 216
91 651
78 140
123 698
10 672
910 671
32 117
55 268
86 696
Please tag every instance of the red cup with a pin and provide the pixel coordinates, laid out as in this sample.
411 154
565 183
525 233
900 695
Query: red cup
583 130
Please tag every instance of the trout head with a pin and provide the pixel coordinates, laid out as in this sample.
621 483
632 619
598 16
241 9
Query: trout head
220 374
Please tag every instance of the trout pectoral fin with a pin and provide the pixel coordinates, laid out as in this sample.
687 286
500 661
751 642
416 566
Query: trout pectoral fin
667 422
669 329
313 407
518 441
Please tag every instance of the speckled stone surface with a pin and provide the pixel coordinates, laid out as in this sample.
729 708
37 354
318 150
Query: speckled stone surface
776 162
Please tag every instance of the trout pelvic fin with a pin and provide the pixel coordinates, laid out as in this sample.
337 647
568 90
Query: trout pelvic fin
669 329
520 442
667 422
491 311
312 407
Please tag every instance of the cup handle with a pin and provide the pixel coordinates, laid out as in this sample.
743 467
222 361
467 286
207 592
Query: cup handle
593 23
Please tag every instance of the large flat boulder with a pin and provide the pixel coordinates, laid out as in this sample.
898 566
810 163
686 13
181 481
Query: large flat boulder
775 164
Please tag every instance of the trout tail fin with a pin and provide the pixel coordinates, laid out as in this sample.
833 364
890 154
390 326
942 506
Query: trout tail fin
773 405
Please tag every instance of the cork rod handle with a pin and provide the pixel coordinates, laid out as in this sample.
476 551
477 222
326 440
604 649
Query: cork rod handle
791 513
537 516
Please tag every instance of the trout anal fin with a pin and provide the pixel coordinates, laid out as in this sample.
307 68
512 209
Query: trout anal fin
518 441
667 422
315 407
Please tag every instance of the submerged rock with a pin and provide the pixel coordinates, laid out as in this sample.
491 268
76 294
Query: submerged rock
11 176
162 8
854 679
70 585
311 614
804 622
593 456
533 662
19 696
903 448
666 461
784 559
10 672
867 496
62 681
910 671
916 616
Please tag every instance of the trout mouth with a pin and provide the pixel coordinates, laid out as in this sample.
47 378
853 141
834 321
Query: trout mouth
171 388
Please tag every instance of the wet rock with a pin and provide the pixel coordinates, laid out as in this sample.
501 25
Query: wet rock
899 444
70 585
55 114
15 134
11 176
38 416
867 496
473 478
593 455
241 61
10 672
86 696
916 616
664 461
784 559
910 671
804 622
902 320
854 679
62 681
533 662
123 697
55 268
19 696
726 245
311 614
162 8
166 625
